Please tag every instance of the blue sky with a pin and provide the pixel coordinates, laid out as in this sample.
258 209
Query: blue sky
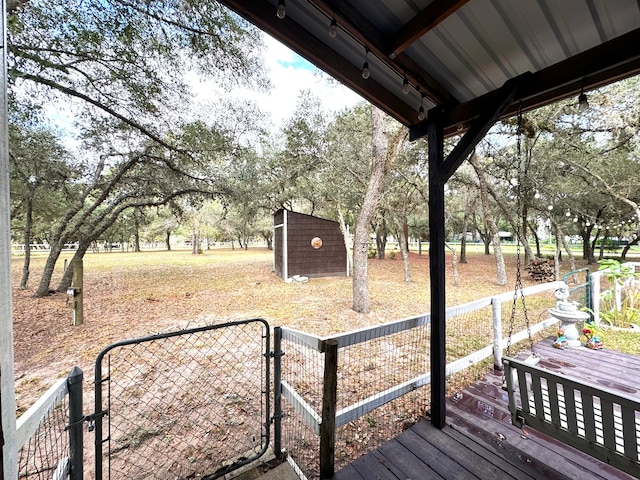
290 74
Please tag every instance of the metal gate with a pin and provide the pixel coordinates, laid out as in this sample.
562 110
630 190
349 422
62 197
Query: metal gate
186 404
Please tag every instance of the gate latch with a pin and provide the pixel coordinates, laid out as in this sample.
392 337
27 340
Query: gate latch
92 419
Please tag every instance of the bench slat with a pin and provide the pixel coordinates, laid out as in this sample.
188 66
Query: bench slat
598 421
630 432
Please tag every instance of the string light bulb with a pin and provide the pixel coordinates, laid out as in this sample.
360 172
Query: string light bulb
333 28
365 66
281 11
405 86
583 102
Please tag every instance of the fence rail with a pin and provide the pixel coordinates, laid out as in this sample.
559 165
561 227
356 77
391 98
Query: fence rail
308 361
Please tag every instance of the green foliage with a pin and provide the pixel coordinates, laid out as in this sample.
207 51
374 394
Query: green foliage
627 311
126 62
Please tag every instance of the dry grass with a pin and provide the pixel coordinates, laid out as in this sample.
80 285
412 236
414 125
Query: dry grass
132 295
135 294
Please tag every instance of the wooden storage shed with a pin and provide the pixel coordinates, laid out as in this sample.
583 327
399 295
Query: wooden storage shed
308 246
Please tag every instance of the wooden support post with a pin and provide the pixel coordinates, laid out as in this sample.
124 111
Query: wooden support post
329 407
78 274
8 458
437 268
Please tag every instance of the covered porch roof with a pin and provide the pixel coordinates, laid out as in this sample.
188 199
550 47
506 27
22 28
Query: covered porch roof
457 54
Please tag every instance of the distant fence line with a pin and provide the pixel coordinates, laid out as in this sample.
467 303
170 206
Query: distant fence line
19 248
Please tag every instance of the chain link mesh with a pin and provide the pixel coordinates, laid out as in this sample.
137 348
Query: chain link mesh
39 458
303 369
188 404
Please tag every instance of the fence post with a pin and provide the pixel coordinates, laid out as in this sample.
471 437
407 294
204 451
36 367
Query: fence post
78 280
595 296
329 407
277 391
76 423
497 333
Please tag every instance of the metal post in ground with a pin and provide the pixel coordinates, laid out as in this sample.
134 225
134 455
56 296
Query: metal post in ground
277 391
76 423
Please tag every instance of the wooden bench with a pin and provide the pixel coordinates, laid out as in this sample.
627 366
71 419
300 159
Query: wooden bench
598 421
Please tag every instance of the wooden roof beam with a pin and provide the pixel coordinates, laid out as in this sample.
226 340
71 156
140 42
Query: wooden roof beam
418 26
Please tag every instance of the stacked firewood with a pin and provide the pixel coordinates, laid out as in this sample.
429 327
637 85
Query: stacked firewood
541 270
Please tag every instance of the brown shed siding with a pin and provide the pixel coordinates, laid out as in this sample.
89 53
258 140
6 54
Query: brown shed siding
302 259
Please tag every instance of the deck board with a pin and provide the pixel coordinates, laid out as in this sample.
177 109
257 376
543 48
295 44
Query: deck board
479 440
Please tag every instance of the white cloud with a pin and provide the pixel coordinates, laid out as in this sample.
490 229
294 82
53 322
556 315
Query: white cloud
289 75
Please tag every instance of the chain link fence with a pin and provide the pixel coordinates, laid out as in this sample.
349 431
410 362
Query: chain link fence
182 404
46 449
49 434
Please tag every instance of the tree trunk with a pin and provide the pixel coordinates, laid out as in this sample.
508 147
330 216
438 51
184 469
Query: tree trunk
556 257
454 265
602 245
537 240
492 228
565 245
49 267
28 221
345 237
501 270
627 247
463 239
404 247
136 233
167 240
372 194
195 246
381 161
382 233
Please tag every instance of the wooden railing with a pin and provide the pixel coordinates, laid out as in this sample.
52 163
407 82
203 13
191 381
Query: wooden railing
325 422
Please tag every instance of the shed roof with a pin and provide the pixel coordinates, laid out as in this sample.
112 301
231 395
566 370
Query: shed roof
458 53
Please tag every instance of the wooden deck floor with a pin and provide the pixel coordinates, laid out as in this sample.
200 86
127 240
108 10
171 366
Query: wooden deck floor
480 442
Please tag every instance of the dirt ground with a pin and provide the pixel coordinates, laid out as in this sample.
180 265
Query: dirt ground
129 295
